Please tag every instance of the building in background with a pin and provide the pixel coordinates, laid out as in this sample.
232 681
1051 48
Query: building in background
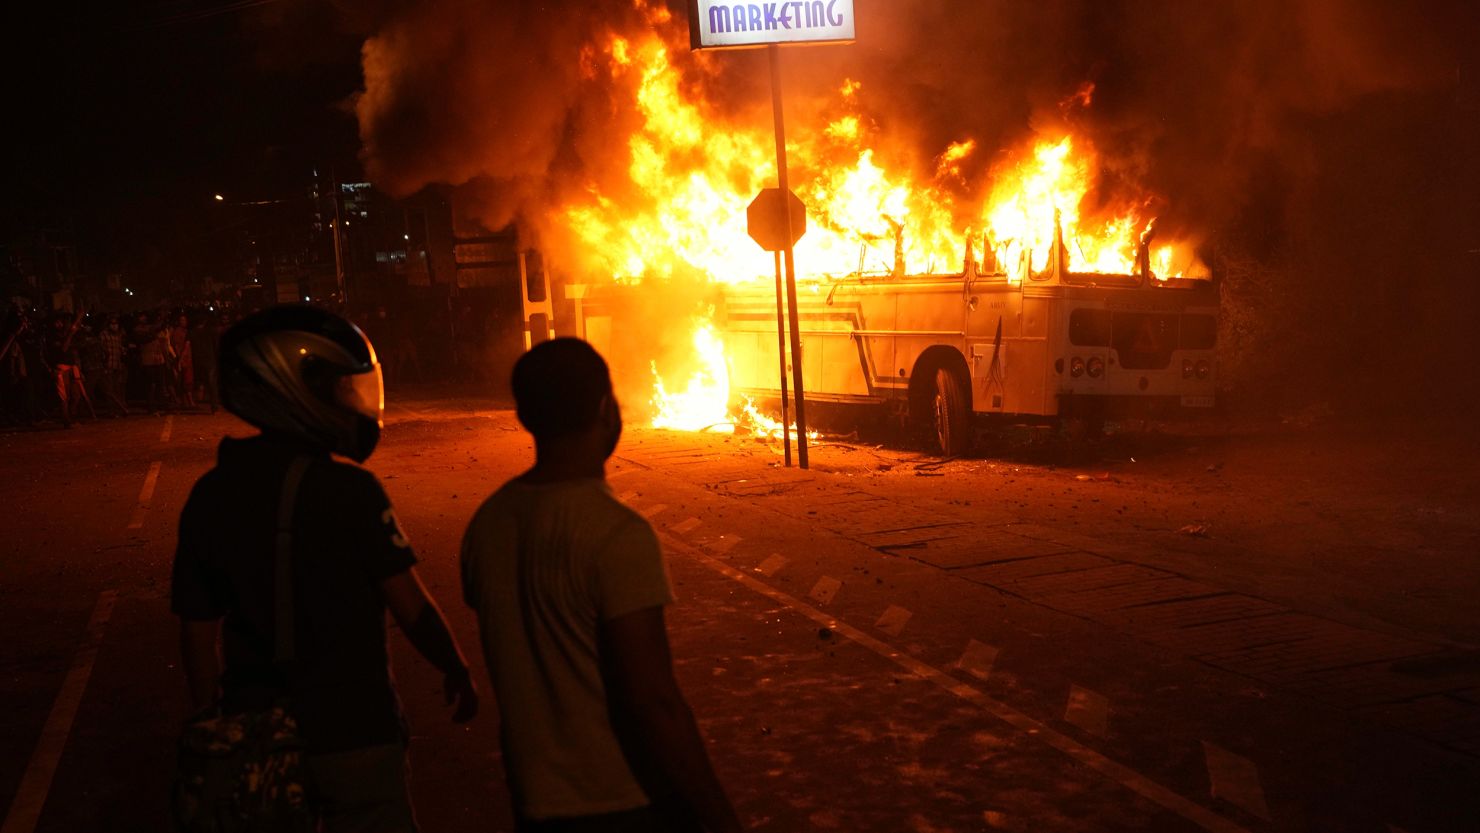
333 242
42 268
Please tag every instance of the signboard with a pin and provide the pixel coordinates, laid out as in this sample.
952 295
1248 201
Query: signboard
766 219
717 24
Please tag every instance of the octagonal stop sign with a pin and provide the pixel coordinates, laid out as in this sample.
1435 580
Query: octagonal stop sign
766 219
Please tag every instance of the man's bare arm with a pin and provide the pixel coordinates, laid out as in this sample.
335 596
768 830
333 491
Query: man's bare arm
201 661
422 622
638 670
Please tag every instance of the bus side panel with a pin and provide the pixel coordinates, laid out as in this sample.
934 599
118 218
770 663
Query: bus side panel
753 362
749 333
929 315
868 310
991 318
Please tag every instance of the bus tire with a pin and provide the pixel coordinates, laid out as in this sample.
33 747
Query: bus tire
953 429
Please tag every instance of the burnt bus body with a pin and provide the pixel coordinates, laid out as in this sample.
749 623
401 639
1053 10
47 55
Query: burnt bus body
943 349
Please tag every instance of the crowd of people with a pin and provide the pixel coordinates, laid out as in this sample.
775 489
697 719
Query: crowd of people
57 368
61 367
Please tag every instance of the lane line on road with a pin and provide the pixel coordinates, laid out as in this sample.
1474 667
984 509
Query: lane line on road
893 620
653 511
169 427
1235 779
626 497
1120 773
724 543
30 797
978 659
772 565
686 526
146 495
825 589
1088 710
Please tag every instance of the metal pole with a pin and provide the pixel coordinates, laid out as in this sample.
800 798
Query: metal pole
791 267
781 354
338 230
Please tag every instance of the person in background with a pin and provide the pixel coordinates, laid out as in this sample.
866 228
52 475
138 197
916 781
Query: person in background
90 357
203 338
20 397
154 350
184 362
60 355
570 587
112 376
137 386
308 380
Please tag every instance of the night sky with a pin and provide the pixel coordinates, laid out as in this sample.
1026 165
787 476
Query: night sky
127 120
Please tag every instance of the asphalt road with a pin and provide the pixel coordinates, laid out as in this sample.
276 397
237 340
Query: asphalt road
1242 633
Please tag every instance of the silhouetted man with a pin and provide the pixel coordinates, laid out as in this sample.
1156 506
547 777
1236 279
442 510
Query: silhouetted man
570 586
310 381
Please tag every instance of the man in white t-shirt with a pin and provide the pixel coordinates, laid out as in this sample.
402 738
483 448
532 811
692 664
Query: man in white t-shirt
569 587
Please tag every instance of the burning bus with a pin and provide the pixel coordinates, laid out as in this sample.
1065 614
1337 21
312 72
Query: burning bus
939 349
1021 282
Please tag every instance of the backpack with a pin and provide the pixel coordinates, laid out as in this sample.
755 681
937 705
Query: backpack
244 773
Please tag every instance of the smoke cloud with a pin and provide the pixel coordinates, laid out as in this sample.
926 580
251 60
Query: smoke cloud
1248 120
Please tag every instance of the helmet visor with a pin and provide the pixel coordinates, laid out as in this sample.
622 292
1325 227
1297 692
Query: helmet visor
364 393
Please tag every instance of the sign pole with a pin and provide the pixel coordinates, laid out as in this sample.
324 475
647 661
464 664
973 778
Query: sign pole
791 269
781 354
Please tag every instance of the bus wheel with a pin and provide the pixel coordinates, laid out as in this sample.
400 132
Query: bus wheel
952 415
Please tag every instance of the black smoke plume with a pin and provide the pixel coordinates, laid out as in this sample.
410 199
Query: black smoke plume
1324 149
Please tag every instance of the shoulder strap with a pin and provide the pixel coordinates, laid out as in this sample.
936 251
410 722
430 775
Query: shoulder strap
283 575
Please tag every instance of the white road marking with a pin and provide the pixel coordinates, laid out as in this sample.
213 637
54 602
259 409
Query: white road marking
653 511
893 620
169 426
146 495
626 497
724 544
772 565
30 797
619 473
684 527
1117 772
825 589
1088 710
1235 779
978 659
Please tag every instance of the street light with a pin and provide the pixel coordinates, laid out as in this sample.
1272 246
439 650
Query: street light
220 198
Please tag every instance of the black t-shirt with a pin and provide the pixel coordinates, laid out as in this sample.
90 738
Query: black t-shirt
345 542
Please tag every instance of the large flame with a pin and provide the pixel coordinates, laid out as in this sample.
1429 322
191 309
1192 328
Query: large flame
864 215
704 403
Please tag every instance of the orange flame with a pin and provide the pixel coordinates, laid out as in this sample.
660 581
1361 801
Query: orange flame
865 215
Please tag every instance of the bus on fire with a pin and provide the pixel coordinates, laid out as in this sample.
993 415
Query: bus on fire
941 349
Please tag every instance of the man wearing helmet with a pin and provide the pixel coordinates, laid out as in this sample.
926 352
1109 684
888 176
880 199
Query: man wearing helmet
570 586
309 380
